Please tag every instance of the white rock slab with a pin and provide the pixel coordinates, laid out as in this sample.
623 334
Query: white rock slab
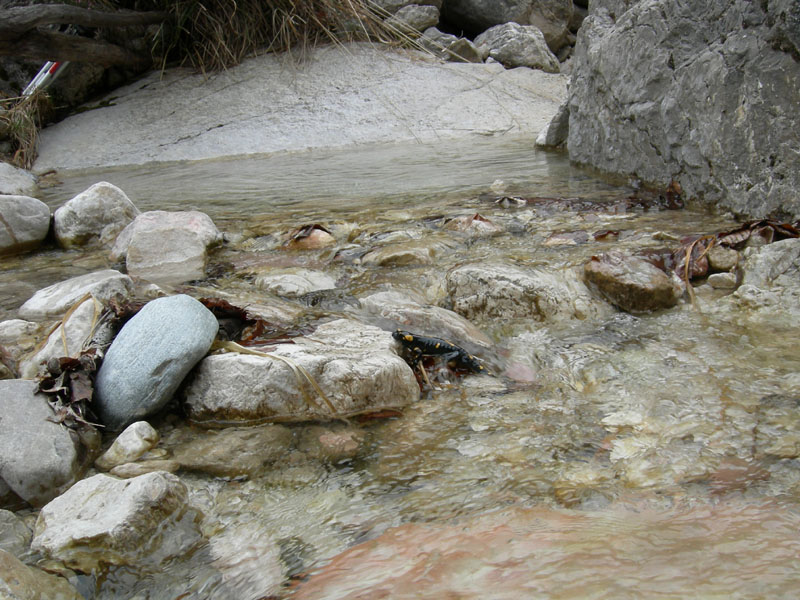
340 96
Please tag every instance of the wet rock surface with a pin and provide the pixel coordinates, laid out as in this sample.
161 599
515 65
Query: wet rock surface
19 581
631 283
134 441
25 223
39 458
150 357
499 551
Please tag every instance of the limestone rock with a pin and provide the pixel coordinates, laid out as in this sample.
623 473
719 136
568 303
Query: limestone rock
107 521
631 283
424 319
56 299
39 458
143 467
16 182
778 431
233 114
413 19
15 535
721 258
234 452
413 252
551 17
293 283
134 441
97 214
450 47
763 265
167 247
67 339
556 132
150 357
496 290
25 223
354 365
21 582
638 72
516 45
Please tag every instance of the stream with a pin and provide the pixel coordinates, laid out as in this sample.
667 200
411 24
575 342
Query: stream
658 431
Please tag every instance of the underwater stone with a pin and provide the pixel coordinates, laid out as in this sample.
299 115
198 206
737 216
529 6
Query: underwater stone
150 358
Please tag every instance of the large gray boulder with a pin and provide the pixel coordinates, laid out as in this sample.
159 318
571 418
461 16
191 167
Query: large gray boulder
550 16
39 458
516 45
56 299
24 224
702 93
167 247
413 19
107 521
150 357
97 214
354 365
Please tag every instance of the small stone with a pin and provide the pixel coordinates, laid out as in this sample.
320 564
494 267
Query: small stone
137 439
294 283
16 182
722 281
142 467
721 258
413 19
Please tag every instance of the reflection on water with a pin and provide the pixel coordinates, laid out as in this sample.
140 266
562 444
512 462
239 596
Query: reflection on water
641 413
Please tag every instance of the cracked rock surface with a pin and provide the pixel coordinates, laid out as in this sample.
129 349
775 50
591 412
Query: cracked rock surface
336 97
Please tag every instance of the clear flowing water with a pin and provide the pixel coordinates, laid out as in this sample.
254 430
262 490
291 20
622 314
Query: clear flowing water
677 409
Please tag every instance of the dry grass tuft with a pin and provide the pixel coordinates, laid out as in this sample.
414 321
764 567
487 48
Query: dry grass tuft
20 120
216 34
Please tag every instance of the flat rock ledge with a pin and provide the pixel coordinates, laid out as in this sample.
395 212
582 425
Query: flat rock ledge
339 96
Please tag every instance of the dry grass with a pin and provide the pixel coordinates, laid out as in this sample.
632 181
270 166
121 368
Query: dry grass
216 34
20 120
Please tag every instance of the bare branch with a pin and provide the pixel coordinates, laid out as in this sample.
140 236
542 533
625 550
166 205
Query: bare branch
21 19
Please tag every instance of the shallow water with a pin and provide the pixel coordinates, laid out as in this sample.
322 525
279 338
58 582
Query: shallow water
657 411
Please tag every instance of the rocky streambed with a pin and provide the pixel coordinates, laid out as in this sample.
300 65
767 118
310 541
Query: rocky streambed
276 443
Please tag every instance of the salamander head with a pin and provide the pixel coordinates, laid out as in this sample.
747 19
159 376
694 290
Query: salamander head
402 336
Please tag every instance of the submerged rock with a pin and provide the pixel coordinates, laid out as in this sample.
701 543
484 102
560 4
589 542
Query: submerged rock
39 458
15 535
293 283
495 290
150 357
167 247
97 214
424 319
24 225
354 367
55 300
516 45
21 582
104 521
501 550
631 283
234 452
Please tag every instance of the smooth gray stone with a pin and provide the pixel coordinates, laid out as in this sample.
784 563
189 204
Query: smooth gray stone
24 223
39 459
150 357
